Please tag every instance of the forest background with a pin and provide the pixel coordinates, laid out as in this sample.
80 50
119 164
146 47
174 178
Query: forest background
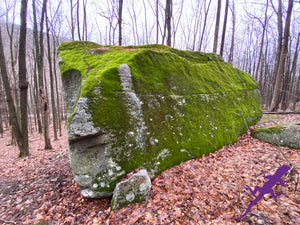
261 38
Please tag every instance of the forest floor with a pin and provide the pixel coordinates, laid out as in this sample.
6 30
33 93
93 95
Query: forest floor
39 189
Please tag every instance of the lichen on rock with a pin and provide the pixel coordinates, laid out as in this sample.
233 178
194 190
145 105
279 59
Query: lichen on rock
281 134
136 189
148 107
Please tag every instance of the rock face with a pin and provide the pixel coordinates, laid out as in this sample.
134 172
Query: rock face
283 135
134 190
148 107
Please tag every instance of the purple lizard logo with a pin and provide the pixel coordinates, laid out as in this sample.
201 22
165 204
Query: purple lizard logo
267 187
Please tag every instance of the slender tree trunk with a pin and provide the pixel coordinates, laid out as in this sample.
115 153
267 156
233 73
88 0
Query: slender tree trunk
36 54
120 21
51 82
56 88
157 21
276 93
168 14
9 99
72 21
84 27
1 120
230 60
23 83
292 73
217 27
204 23
224 28
78 21
42 92
264 25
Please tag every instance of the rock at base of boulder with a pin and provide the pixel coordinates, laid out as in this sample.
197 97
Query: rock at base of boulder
134 190
283 135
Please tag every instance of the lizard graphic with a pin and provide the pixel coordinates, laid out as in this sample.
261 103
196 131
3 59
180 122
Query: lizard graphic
267 187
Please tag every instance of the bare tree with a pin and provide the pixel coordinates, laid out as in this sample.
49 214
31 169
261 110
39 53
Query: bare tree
23 83
16 126
72 20
224 28
168 16
217 27
120 21
276 93
230 58
40 64
206 10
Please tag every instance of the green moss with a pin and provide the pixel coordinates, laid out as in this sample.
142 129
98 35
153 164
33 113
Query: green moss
193 102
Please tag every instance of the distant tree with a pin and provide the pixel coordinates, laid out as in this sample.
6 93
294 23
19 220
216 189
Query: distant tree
51 79
120 21
289 80
230 58
23 83
224 28
16 128
43 99
168 28
279 76
206 10
72 20
217 27
1 100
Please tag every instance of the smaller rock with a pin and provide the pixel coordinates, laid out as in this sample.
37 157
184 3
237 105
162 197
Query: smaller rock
283 135
134 190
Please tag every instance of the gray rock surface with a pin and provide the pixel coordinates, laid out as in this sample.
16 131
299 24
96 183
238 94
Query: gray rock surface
282 135
148 107
134 190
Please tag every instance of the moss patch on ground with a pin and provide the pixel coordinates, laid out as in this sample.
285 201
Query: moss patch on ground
192 103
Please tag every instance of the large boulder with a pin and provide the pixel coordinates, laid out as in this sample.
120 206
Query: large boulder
281 134
148 107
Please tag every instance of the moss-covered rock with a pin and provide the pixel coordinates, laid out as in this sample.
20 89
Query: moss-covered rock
148 107
136 189
282 134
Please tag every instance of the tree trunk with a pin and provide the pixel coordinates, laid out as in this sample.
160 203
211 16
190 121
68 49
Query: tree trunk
51 82
224 28
168 14
230 60
276 93
157 21
120 21
78 21
72 21
1 100
42 93
9 99
261 44
293 72
217 27
23 83
204 23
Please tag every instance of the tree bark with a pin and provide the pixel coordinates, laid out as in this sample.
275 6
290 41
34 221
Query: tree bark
51 82
168 15
9 99
204 23
23 83
78 21
230 60
279 76
224 28
120 21
42 92
217 27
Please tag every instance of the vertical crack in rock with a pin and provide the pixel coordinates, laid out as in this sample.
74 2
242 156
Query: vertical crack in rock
134 106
